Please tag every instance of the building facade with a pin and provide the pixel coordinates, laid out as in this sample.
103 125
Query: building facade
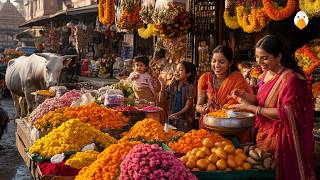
10 19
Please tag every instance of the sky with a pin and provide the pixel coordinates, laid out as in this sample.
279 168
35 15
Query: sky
10 0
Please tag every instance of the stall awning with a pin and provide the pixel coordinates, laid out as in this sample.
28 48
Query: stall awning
69 12
43 20
82 10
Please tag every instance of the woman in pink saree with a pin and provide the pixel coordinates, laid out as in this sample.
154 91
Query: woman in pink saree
284 112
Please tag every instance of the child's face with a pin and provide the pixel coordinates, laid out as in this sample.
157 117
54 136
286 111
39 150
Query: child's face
140 67
180 73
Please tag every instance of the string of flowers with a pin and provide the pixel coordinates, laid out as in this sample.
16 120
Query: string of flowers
148 32
311 7
307 60
251 17
279 13
106 11
230 15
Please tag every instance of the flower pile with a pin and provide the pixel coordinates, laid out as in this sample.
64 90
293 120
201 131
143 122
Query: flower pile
108 162
193 139
70 136
146 161
221 113
97 116
45 93
52 104
82 159
150 130
58 169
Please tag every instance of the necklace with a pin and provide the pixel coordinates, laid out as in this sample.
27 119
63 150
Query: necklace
216 84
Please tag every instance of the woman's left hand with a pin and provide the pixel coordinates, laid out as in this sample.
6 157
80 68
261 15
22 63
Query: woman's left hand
240 107
173 117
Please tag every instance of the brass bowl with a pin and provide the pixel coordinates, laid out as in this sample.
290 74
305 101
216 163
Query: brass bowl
230 126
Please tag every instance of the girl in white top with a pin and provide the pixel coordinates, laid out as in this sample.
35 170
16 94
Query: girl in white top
143 84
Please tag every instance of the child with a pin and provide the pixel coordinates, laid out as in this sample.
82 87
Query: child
143 85
179 95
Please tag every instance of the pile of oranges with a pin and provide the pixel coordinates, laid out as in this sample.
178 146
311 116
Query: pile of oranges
214 156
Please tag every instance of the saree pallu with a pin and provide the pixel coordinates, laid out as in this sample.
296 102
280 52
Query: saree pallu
289 137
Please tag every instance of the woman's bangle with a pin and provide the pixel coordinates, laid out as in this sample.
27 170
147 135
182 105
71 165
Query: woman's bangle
258 111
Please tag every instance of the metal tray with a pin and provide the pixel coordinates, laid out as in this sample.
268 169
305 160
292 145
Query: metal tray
243 120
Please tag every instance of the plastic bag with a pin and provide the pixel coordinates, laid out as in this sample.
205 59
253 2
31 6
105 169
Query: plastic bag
58 158
113 97
88 147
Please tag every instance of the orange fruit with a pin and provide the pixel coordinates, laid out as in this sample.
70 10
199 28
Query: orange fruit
221 164
229 149
191 164
219 145
226 143
242 156
246 166
211 167
213 158
213 150
239 168
230 156
184 159
231 163
188 153
202 164
201 154
195 169
206 150
239 150
194 151
239 160
221 153
208 142
193 158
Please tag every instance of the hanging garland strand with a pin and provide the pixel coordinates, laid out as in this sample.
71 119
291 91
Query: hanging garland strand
311 7
230 15
276 13
106 11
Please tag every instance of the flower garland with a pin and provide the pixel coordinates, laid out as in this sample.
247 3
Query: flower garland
148 32
280 13
307 60
311 7
106 11
230 21
240 14
249 22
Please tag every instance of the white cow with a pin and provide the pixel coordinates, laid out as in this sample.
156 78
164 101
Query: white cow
27 74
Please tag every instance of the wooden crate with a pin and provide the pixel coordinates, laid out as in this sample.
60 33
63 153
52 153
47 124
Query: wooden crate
24 132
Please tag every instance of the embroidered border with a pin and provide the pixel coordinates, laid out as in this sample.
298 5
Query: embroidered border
296 141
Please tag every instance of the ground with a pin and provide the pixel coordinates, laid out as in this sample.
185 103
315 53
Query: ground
12 166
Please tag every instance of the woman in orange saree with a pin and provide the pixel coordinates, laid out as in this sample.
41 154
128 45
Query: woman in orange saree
215 87
284 112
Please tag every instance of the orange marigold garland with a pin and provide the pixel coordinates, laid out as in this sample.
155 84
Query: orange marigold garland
106 11
279 13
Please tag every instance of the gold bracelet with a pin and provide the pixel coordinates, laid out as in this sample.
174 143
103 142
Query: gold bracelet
258 111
